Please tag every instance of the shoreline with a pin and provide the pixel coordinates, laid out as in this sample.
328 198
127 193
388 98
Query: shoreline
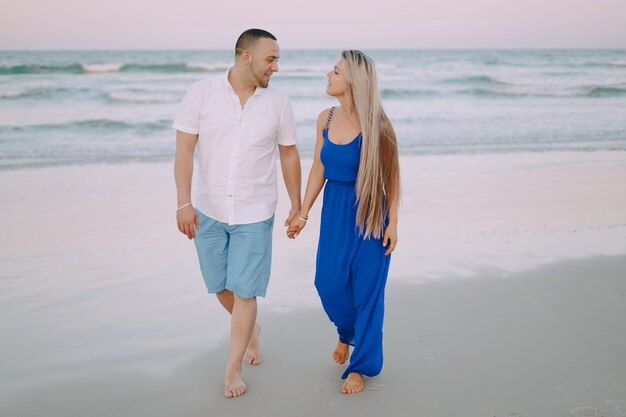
307 156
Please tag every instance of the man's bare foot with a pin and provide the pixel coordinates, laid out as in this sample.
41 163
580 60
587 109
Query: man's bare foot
233 384
353 384
253 352
341 353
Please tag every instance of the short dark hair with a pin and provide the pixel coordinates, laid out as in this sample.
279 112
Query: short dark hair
250 36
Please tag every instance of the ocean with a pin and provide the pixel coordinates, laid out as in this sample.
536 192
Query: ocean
85 107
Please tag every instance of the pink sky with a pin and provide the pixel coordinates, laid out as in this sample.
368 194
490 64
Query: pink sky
201 24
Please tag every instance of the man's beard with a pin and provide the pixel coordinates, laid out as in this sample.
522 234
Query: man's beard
263 83
260 80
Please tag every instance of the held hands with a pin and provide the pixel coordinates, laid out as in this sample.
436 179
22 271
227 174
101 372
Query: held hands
187 221
295 224
295 227
290 223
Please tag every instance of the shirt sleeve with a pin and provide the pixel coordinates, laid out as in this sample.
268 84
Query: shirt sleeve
187 117
287 129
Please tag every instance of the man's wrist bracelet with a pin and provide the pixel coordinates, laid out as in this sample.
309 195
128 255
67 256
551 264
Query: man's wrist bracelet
183 206
305 218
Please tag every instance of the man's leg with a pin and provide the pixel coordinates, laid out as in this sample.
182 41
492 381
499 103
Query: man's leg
253 352
212 243
242 325
249 261
226 299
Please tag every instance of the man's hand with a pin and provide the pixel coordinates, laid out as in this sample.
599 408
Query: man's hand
187 220
292 215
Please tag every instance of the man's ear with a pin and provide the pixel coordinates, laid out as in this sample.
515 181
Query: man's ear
246 56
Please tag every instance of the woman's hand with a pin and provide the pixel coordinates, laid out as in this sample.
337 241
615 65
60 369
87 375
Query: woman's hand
390 239
295 227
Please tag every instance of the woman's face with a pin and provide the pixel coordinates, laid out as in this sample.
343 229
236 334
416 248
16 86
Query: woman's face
336 82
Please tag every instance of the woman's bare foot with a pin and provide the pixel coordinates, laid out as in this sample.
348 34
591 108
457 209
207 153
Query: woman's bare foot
233 384
253 352
341 353
353 384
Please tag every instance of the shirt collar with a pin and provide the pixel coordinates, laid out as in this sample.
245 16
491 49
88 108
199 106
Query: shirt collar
225 80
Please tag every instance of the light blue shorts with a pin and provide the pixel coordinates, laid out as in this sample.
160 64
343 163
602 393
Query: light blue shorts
235 257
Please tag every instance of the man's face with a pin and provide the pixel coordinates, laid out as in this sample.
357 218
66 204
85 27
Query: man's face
264 63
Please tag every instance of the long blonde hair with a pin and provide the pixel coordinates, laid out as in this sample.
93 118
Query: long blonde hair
378 181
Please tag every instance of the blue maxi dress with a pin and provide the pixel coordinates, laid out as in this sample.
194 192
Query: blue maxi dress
351 271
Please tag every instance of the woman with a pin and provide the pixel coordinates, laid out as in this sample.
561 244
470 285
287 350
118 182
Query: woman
356 157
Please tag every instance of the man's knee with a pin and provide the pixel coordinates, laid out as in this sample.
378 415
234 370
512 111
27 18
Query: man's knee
241 299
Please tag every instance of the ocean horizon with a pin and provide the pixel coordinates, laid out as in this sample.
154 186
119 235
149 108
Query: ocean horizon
112 106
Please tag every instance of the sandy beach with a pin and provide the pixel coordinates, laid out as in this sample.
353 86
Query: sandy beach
506 297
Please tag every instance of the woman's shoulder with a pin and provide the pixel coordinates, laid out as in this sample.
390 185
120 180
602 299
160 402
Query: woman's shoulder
323 117
324 114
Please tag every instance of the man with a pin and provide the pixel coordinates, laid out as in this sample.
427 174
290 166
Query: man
236 121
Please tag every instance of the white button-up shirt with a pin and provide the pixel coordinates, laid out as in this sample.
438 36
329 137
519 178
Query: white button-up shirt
236 175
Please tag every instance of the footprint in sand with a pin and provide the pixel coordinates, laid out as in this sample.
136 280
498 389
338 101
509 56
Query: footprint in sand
585 412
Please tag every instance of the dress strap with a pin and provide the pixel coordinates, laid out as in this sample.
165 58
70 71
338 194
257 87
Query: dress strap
330 116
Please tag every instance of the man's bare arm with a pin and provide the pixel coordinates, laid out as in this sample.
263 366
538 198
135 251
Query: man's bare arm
292 174
186 218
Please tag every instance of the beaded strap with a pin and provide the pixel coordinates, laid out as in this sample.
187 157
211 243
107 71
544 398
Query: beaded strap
330 116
